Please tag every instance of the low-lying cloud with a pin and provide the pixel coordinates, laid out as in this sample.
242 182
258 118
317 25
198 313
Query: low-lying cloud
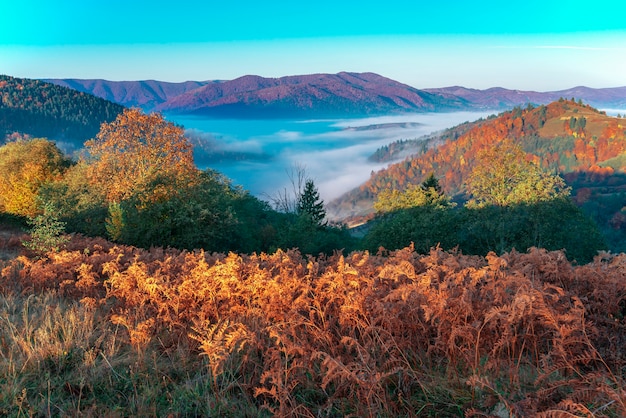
334 153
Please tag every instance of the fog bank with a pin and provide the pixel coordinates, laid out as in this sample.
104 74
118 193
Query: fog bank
259 154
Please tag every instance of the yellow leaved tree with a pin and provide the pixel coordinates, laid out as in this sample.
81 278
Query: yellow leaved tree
503 176
428 193
25 166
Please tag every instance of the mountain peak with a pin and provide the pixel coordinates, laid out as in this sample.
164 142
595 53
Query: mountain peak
321 94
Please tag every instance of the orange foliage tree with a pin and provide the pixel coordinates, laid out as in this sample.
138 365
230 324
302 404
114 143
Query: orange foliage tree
136 149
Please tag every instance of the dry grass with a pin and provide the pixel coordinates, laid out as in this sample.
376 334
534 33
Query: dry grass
108 330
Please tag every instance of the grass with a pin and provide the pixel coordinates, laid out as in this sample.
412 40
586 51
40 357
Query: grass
61 358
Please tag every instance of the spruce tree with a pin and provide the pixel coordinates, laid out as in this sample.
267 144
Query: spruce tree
310 204
432 182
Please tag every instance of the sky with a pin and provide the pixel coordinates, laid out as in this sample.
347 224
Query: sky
530 45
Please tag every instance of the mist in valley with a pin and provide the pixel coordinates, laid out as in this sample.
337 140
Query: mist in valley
259 155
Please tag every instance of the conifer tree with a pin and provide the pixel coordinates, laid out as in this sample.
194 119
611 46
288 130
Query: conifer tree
432 182
310 204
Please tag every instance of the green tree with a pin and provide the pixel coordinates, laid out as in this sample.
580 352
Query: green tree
310 205
47 233
555 224
431 182
199 215
517 205
299 221
425 226
422 215
428 193
82 206
542 115
503 176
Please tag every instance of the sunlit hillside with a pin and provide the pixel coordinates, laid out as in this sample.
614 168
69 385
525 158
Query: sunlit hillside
580 143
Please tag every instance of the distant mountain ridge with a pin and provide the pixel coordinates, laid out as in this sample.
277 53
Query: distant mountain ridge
145 94
344 93
321 94
501 98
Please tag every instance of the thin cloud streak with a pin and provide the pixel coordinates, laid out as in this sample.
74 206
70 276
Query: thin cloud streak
564 47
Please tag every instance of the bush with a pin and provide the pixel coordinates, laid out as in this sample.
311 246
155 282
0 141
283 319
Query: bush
48 232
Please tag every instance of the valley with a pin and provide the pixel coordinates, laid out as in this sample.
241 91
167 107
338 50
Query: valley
312 209
145 271
258 154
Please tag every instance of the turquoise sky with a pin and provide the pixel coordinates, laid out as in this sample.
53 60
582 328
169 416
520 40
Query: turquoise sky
539 45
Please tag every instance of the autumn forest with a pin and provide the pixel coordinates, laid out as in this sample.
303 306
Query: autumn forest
482 274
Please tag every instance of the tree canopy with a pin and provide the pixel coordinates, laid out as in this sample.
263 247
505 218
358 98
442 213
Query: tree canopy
134 150
25 166
39 109
429 193
503 176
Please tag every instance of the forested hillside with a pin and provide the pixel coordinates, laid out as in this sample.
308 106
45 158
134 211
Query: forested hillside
567 137
323 95
38 109
145 94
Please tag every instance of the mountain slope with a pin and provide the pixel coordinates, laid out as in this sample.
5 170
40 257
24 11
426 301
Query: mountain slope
320 94
144 94
40 109
576 140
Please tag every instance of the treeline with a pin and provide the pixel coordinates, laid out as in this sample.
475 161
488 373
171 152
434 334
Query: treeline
137 184
38 109
556 224
397 149
411 147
